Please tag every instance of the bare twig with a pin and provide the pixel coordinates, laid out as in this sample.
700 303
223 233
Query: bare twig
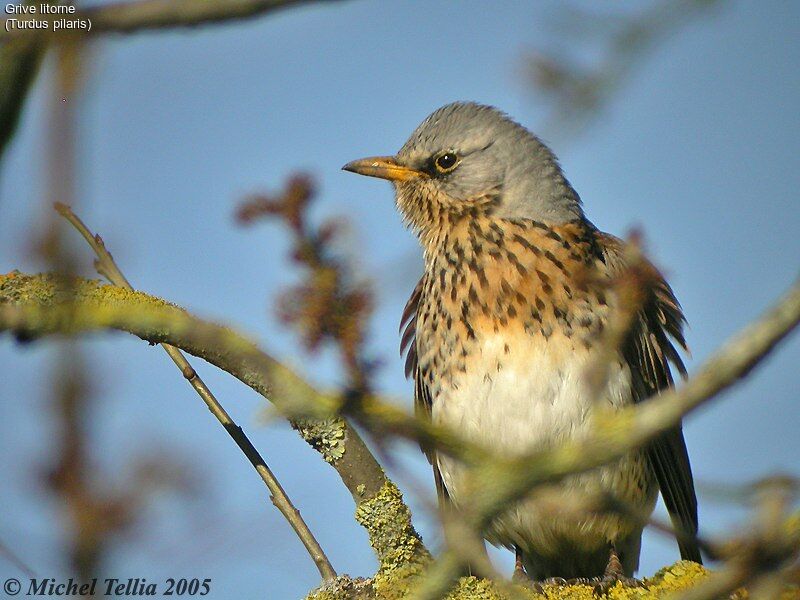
32 313
20 57
128 17
106 266
11 557
767 557
140 15
31 306
19 63
578 93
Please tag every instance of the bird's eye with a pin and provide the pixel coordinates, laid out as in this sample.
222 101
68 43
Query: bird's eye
446 162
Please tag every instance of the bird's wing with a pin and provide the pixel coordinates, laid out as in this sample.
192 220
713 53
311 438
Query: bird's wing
422 397
648 351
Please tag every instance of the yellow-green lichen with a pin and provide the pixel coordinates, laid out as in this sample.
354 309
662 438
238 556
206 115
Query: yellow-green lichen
680 576
400 551
50 303
676 578
326 436
475 588
61 304
49 289
344 587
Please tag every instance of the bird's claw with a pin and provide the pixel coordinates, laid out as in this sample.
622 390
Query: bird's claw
602 585
520 577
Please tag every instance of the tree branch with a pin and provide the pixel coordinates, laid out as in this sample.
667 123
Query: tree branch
19 63
32 309
131 17
128 17
503 482
106 266
33 306
21 50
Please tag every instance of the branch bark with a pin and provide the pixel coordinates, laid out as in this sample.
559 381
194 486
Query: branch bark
128 17
107 267
142 15
30 307
22 50
33 306
19 63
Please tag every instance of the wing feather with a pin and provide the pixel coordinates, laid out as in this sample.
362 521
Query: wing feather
649 352
423 403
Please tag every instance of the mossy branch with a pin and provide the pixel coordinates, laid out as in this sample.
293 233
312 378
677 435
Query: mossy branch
159 14
669 582
106 266
141 15
34 306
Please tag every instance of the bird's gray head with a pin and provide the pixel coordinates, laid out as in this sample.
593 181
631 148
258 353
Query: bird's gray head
467 156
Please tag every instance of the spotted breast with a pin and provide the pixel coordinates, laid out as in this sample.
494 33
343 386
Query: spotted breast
508 316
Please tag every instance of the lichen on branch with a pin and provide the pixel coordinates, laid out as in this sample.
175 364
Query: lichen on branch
34 306
674 579
326 436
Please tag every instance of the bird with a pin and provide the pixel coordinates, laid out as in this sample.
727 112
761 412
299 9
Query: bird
499 333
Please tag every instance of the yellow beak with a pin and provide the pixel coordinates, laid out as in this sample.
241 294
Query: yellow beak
385 167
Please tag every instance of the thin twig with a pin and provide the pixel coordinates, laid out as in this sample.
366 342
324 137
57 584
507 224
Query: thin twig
578 93
19 64
128 17
31 306
142 15
32 310
10 556
106 266
767 558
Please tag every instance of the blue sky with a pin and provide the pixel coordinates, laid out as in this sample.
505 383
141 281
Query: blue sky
699 149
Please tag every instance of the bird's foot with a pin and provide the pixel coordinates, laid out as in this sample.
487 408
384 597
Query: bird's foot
519 577
523 579
554 581
602 585
613 575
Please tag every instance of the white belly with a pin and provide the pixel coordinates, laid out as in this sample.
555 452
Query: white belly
521 394
530 396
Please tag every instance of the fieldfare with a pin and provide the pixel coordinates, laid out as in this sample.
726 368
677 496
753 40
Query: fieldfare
501 329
